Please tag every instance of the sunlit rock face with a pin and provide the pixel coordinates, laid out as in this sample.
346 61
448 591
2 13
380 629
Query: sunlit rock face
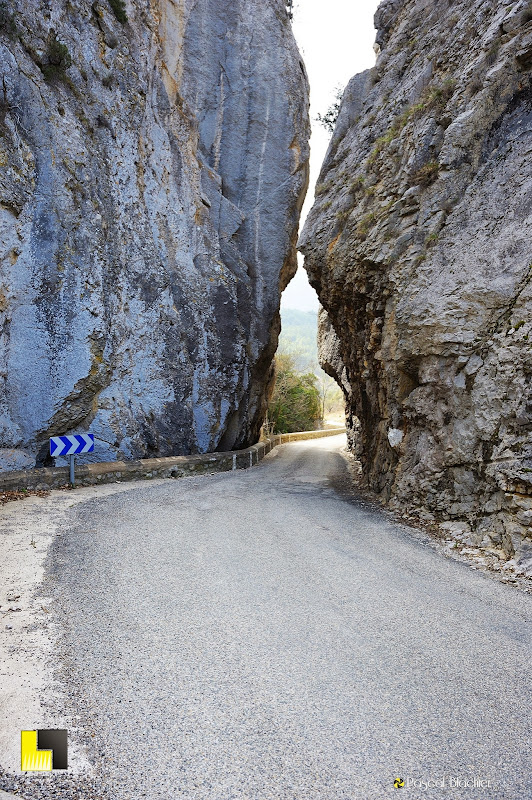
149 208
419 247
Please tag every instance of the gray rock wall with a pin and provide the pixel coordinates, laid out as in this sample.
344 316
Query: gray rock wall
419 247
149 204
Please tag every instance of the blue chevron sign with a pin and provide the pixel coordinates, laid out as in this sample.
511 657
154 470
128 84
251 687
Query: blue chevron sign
70 445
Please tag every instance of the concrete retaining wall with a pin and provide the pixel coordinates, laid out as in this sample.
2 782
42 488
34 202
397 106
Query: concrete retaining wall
170 467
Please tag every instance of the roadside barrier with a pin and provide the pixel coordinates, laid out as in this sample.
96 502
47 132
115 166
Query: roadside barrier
146 468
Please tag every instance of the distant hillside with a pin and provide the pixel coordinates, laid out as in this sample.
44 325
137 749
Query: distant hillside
299 333
299 338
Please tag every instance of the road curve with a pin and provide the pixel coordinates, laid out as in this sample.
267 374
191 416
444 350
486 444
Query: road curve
265 634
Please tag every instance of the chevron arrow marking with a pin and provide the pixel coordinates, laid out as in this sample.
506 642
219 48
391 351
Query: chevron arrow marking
71 445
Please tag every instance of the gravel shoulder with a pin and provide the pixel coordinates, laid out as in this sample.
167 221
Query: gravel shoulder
31 696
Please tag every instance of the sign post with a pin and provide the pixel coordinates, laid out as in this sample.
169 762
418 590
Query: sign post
70 446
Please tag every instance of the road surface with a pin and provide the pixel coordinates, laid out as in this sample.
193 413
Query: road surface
265 635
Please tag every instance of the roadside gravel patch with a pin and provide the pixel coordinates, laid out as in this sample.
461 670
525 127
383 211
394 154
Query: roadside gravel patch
31 678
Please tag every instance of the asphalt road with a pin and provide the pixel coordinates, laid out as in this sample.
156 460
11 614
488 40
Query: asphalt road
265 634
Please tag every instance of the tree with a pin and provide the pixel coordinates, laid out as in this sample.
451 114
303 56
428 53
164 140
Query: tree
295 403
332 400
328 120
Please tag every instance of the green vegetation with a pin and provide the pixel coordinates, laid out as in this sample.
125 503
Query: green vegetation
295 402
328 120
321 188
434 97
365 224
394 130
431 239
343 216
357 185
426 174
119 10
59 59
298 340
440 95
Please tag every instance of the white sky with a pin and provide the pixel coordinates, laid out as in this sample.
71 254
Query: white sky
335 38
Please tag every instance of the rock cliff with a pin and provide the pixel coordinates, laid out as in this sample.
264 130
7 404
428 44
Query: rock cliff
419 247
153 163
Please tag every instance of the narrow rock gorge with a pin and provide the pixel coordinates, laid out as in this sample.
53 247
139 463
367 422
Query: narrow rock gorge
419 246
153 161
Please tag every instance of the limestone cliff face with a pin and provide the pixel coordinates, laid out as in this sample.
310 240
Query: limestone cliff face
152 169
419 245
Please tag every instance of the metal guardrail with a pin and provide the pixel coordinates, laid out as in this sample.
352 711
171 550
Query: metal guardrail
145 468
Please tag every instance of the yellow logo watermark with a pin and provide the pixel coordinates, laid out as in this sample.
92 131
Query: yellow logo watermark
43 751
